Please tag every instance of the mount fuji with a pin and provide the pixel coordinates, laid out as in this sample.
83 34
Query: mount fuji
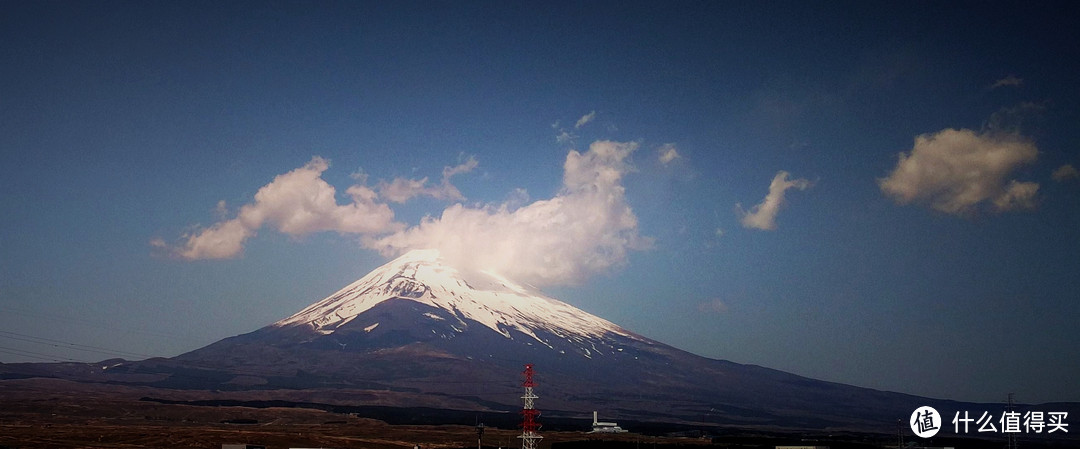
417 332
422 332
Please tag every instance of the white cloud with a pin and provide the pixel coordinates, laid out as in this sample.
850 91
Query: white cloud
763 215
401 190
360 176
296 203
469 165
1018 195
1010 81
223 240
1065 173
667 153
585 119
566 137
953 171
587 228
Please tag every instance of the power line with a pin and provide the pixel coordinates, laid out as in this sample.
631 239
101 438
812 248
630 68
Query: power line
52 316
69 345
37 355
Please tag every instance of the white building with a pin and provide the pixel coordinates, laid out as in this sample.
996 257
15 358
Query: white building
605 427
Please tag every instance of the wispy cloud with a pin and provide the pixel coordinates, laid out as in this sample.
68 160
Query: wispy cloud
222 210
763 215
564 137
567 136
296 203
585 119
667 153
1064 173
585 229
1015 119
1016 195
400 190
1008 81
953 171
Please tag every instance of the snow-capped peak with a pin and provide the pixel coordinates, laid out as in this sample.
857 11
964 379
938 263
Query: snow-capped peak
484 297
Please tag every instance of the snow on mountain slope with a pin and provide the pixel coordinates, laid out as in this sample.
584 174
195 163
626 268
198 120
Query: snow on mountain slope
485 298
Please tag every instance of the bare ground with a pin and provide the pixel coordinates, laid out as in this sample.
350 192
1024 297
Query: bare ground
47 413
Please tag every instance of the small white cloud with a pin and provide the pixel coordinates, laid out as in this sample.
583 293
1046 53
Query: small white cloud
469 165
1018 195
953 171
1008 81
401 190
763 215
360 176
719 232
223 240
585 119
667 153
1065 173
565 137
296 203
714 306
446 190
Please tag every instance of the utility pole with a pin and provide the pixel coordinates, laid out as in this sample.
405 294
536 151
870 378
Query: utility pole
900 434
479 435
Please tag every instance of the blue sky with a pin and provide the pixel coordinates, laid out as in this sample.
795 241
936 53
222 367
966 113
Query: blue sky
924 239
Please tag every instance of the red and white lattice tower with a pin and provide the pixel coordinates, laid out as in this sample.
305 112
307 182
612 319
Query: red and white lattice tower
529 426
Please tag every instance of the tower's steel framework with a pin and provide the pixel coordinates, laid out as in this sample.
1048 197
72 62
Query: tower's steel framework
529 426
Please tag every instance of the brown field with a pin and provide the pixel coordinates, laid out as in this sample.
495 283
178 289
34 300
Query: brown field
42 413
51 413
